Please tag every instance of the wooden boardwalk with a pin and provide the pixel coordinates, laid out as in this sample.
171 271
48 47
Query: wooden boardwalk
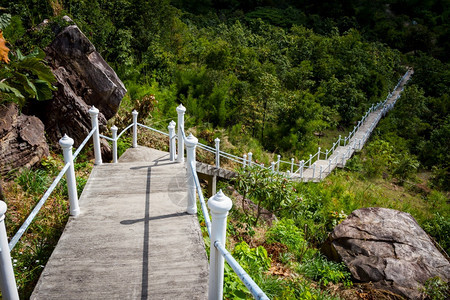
133 239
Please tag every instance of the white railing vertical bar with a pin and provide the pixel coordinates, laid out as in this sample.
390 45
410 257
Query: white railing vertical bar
217 142
93 112
7 279
181 110
219 206
254 289
172 144
114 143
135 115
66 145
191 144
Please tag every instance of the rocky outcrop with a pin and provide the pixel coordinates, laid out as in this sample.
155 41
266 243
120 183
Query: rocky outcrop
84 79
389 249
22 139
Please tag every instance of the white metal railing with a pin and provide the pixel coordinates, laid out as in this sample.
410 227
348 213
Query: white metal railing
355 143
7 279
219 205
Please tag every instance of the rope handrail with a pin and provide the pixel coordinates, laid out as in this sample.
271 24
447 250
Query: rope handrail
254 289
153 129
229 154
106 137
15 239
208 147
202 200
204 148
83 143
36 209
232 159
123 131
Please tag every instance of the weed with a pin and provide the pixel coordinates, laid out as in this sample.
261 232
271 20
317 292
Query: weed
325 271
436 289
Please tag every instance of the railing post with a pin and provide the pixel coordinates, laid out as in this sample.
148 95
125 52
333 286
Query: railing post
310 159
320 172
314 170
135 114
172 150
66 144
302 164
250 159
191 144
219 206
114 143
7 279
180 110
329 165
288 174
318 154
339 141
292 165
278 162
217 141
93 112
326 154
272 166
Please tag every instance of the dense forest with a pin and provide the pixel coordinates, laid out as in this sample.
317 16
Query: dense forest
271 77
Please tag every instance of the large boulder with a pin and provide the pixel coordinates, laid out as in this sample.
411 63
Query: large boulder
83 79
388 248
22 139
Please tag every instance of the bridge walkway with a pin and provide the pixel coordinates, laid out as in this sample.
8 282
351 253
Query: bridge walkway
133 239
314 175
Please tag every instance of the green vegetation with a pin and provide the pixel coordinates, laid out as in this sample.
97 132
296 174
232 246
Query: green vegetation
269 78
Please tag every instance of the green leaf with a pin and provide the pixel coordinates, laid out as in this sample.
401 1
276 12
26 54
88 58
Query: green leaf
5 19
44 90
9 89
27 85
37 67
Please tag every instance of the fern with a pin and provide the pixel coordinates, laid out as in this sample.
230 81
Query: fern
9 89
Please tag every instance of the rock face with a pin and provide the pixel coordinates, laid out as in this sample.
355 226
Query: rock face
84 79
388 248
22 140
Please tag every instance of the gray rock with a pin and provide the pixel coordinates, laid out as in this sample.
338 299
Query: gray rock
83 79
389 249
22 139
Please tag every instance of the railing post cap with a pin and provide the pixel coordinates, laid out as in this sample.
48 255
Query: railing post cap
3 208
292 159
114 128
66 141
172 124
93 111
181 108
278 156
220 203
250 153
217 140
134 112
272 163
191 141
245 155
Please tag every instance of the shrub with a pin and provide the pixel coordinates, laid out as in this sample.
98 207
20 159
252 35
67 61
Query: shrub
436 289
285 232
325 271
